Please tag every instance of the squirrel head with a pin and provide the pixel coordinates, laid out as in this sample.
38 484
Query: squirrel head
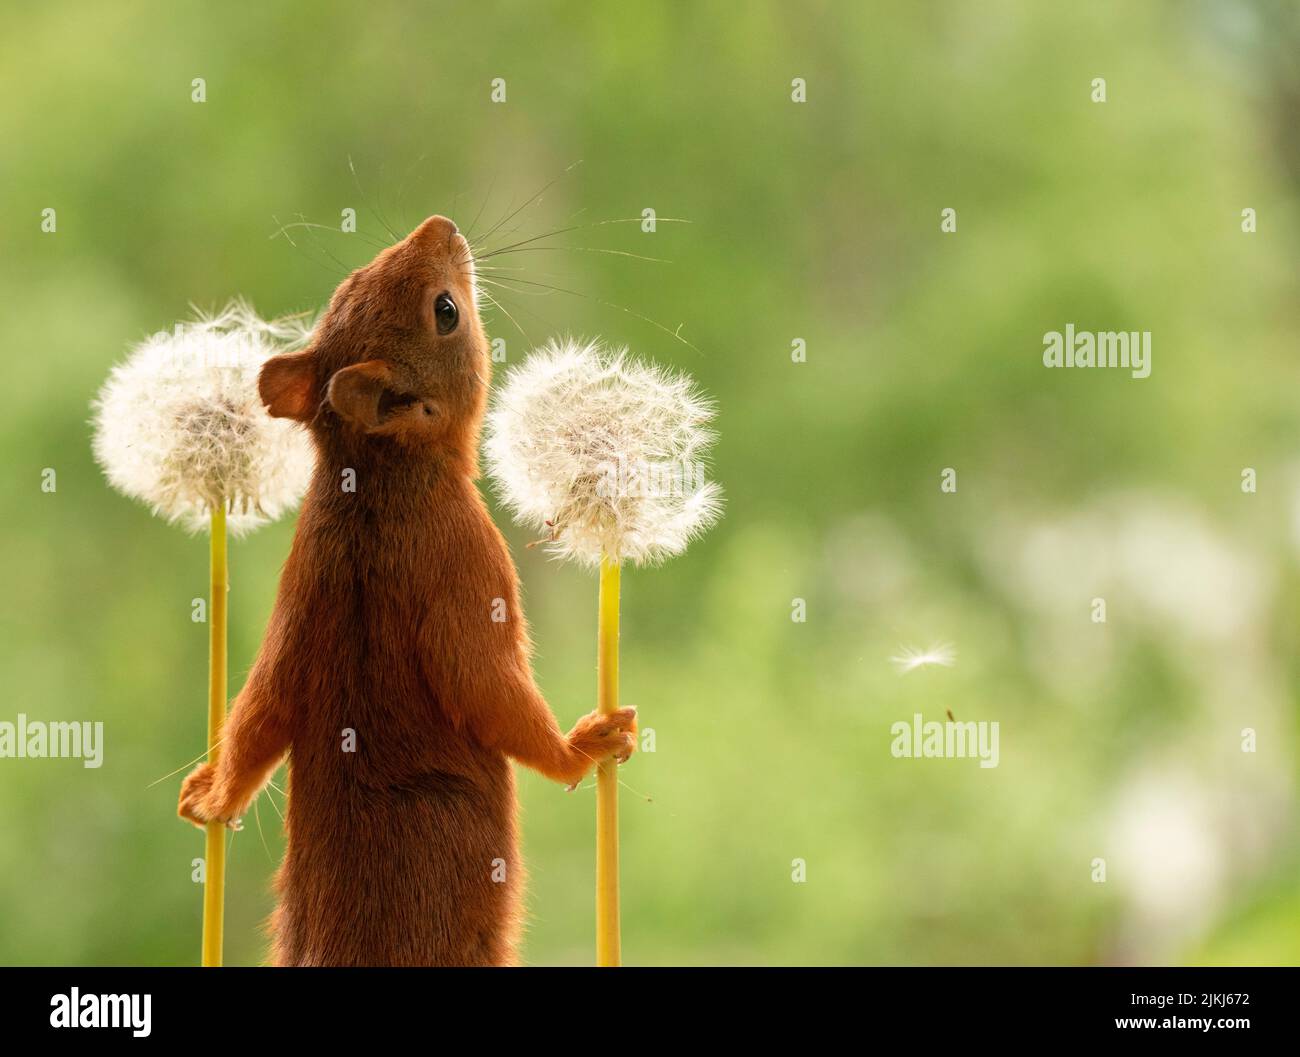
399 357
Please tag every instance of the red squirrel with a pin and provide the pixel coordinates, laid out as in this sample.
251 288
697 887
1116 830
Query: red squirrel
383 675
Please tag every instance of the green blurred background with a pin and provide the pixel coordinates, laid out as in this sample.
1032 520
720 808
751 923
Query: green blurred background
818 221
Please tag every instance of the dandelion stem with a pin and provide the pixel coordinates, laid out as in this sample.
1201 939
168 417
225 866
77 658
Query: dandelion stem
214 884
607 923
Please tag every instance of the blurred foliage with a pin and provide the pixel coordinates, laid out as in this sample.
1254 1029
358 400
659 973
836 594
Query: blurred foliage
820 221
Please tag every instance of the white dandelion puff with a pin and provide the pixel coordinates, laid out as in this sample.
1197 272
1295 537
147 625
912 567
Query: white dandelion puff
604 454
909 658
180 426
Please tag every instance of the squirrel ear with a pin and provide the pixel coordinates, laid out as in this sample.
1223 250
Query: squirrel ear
357 392
287 385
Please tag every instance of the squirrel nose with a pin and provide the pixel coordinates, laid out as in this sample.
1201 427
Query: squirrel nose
438 228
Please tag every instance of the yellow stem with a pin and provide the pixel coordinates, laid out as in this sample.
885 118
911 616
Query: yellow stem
214 884
608 951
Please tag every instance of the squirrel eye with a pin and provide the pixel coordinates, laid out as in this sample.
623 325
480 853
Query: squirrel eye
445 313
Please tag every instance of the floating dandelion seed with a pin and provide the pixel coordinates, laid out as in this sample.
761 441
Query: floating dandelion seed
909 659
606 456
179 424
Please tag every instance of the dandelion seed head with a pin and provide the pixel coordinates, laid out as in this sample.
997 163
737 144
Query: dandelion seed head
603 453
180 426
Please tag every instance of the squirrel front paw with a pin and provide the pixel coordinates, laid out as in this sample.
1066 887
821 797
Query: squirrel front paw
598 736
195 803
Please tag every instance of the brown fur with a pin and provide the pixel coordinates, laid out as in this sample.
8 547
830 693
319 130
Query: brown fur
383 625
